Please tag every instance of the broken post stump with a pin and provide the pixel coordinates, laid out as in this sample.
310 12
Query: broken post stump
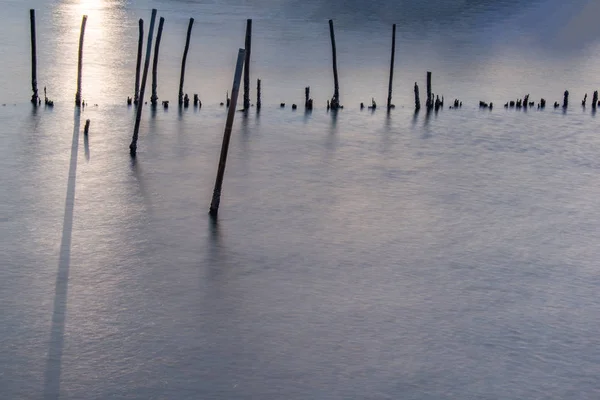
335 100
138 116
154 96
389 99
566 99
86 129
595 99
216 198
248 46
417 100
138 64
197 102
79 62
34 97
258 99
183 60
308 102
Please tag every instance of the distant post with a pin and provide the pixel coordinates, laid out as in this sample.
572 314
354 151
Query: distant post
248 49
429 102
34 97
185 52
335 101
258 99
566 99
139 61
389 100
417 100
79 62
138 116
216 199
154 96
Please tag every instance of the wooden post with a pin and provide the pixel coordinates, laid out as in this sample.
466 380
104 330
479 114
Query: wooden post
79 62
185 51
595 99
154 97
258 99
335 101
429 102
389 100
247 64
566 99
138 116
417 100
86 129
34 97
216 199
136 92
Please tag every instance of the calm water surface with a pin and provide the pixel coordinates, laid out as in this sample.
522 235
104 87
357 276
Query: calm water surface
356 256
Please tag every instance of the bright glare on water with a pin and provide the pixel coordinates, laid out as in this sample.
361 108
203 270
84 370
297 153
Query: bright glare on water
357 255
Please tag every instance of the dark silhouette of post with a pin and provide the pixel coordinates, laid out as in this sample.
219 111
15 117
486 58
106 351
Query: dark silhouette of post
154 97
595 100
429 102
34 97
79 62
335 101
216 199
185 52
139 62
389 100
258 99
248 49
417 100
86 128
566 99
138 116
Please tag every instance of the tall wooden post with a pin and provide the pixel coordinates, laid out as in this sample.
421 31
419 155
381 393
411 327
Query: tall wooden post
139 61
79 62
417 100
34 97
335 101
258 99
389 100
566 100
216 199
154 97
248 49
429 102
185 52
138 116
595 100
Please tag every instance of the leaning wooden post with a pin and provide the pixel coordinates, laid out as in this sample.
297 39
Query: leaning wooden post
79 62
139 62
258 99
34 97
429 102
247 64
389 100
216 199
138 116
154 97
185 52
335 101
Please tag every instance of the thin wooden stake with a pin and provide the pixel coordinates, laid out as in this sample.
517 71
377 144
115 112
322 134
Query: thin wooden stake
185 52
335 101
79 62
389 100
429 102
247 64
138 116
258 99
154 97
34 97
139 62
216 199
417 100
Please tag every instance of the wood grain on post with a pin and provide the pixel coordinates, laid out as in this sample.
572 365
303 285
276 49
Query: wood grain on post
216 199
34 97
154 96
79 62
138 116
335 101
138 65
248 49
389 99
185 52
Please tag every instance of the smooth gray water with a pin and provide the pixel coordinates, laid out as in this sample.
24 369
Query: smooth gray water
356 256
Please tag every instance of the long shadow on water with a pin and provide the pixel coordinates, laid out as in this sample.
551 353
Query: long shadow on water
57 333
